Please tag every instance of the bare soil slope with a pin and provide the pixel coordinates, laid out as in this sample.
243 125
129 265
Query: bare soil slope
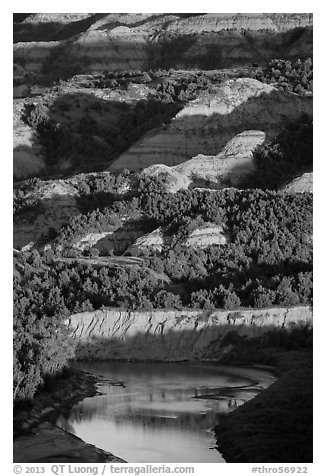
205 125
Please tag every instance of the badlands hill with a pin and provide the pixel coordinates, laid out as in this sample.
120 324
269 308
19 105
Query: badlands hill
205 139
206 124
209 143
60 45
301 184
228 168
65 63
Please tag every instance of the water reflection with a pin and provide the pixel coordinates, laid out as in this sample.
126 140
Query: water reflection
164 412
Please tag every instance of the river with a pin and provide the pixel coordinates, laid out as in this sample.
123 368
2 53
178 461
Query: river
161 412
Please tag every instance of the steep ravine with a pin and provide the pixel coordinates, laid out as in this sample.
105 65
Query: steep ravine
173 335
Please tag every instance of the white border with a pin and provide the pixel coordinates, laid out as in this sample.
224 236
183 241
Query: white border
319 190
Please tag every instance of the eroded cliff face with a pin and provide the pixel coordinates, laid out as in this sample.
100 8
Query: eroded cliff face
228 168
173 335
242 21
207 124
141 41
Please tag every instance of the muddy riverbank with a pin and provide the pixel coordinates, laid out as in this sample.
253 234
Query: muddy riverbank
36 437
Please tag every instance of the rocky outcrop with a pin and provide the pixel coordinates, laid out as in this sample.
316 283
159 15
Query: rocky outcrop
90 240
301 184
153 240
207 235
172 335
208 123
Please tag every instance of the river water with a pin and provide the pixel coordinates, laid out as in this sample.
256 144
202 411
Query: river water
161 412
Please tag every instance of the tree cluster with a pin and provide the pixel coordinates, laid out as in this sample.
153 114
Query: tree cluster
42 345
268 256
293 76
284 157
